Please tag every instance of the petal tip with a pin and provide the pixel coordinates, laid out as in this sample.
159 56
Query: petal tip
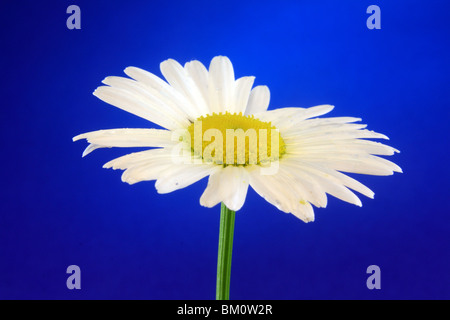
97 92
77 137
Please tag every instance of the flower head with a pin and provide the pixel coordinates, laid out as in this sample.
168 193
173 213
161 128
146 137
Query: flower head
219 127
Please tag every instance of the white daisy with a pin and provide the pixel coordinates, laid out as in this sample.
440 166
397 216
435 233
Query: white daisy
309 152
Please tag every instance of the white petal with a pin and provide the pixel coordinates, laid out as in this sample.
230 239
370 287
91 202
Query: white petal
338 190
178 78
288 117
154 101
350 182
89 149
131 103
243 86
228 185
271 189
297 183
142 166
258 101
342 146
314 193
317 111
361 168
329 137
277 190
141 158
319 122
356 163
389 164
302 132
128 138
298 165
198 72
146 172
279 117
332 186
161 89
238 183
281 113
304 211
181 176
220 84
214 192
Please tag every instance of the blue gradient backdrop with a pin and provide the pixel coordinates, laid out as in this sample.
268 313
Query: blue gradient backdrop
58 209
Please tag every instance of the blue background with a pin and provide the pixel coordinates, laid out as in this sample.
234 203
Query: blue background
57 209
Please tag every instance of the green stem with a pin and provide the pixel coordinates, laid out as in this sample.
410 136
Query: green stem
226 233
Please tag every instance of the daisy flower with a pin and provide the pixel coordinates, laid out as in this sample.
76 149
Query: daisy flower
219 127
302 164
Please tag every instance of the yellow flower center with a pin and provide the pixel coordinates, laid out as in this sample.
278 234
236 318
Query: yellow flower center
235 139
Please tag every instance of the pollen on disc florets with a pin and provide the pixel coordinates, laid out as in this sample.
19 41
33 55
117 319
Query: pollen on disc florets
235 139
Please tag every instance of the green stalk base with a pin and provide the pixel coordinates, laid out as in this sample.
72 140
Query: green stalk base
226 233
